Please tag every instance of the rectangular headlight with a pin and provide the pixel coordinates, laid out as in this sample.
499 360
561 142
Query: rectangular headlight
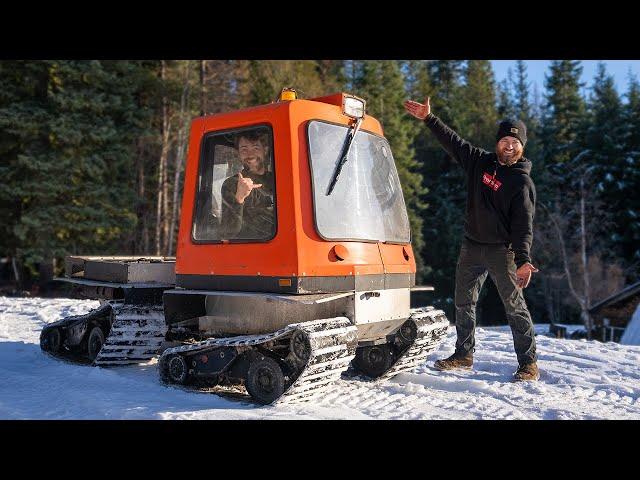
353 107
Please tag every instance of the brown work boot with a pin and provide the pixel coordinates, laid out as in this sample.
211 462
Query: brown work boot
528 371
457 360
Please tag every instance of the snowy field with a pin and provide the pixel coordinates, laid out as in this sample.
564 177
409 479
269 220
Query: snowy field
579 380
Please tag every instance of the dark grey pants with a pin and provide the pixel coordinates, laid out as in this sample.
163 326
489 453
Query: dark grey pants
474 262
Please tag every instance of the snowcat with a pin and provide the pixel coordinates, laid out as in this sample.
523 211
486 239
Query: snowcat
294 262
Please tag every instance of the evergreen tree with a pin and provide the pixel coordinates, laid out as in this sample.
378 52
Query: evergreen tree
601 144
563 112
604 121
629 208
526 111
536 105
603 133
69 146
522 104
23 90
506 104
417 79
563 121
573 145
479 118
446 77
260 88
587 199
505 107
332 76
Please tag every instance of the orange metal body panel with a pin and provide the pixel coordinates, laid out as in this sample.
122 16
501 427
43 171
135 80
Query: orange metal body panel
393 258
297 249
334 99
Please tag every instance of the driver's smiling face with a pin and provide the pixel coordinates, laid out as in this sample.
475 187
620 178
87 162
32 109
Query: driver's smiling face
252 154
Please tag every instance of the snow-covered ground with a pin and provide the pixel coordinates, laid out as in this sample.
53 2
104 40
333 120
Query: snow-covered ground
579 379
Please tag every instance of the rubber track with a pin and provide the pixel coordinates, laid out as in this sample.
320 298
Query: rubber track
432 328
136 335
333 344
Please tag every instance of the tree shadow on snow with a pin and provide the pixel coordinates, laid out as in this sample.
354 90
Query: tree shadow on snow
40 386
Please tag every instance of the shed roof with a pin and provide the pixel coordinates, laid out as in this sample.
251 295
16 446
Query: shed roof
617 297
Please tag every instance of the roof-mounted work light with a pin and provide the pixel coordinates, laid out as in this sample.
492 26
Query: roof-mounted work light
353 107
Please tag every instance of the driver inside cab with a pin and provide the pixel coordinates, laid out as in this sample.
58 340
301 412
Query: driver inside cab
248 197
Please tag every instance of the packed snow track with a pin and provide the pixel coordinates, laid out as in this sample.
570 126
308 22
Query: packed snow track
579 380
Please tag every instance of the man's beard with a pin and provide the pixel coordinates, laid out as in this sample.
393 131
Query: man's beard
508 159
254 165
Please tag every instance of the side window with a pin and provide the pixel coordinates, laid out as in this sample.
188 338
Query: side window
235 198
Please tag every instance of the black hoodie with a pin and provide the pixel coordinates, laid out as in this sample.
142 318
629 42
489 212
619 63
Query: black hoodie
500 200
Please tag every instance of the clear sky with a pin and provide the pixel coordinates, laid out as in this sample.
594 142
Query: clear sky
536 70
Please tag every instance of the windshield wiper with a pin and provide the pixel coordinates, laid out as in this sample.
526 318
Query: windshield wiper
344 154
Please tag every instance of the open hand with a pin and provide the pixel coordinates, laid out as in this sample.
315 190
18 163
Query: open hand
418 110
524 275
245 187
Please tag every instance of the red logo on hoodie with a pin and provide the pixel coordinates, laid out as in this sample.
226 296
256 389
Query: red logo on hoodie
491 181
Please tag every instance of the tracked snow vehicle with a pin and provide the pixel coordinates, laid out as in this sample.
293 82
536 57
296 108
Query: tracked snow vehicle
294 260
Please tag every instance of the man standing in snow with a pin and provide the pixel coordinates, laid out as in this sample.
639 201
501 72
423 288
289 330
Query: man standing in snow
498 234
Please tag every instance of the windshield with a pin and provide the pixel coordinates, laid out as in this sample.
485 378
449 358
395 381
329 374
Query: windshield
367 201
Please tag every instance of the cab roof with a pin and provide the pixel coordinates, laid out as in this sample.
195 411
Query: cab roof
336 99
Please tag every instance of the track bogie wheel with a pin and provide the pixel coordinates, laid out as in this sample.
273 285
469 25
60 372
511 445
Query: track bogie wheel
95 341
265 380
51 340
374 360
408 332
175 369
300 346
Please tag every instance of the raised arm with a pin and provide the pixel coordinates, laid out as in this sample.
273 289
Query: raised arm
458 148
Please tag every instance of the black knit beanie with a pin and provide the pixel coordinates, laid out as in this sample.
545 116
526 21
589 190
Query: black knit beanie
512 128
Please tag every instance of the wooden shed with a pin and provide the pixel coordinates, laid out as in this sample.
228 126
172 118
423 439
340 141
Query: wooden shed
612 315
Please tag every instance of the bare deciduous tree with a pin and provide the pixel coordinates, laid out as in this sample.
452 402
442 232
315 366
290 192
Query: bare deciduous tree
576 218
161 205
184 120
